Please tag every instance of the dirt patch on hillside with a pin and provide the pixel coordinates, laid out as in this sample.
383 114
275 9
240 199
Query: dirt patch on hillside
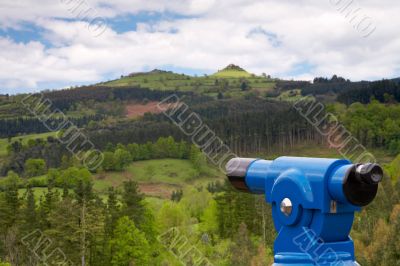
158 190
134 110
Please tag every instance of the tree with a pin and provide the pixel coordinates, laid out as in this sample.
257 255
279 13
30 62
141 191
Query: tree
183 150
392 247
54 176
48 202
262 258
148 226
244 86
132 200
110 147
177 195
121 159
9 219
66 161
64 230
242 248
195 202
108 161
171 147
129 245
10 210
134 151
210 219
29 212
89 210
35 167
112 213
198 159
72 175
172 215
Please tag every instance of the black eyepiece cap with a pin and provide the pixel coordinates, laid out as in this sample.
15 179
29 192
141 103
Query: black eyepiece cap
370 173
360 184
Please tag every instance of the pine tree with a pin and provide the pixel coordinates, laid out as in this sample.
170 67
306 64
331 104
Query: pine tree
29 212
48 202
12 200
112 212
83 194
65 231
130 245
9 219
132 200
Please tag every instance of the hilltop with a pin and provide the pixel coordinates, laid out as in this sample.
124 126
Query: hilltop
153 72
233 71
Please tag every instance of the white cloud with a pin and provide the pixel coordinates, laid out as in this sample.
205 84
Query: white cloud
217 34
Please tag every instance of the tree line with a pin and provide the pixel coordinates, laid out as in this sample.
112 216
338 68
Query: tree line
35 157
374 124
29 125
385 91
65 99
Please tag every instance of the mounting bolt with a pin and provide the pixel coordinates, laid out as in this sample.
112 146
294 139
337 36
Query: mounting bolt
286 206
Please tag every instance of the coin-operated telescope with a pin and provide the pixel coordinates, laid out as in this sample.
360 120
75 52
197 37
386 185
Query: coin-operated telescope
313 204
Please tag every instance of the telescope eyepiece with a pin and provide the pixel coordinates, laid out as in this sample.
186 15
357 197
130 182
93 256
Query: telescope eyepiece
360 184
370 173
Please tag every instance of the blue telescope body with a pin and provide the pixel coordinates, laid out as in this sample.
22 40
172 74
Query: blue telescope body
313 204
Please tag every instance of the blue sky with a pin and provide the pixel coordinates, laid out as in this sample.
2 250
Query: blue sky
65 43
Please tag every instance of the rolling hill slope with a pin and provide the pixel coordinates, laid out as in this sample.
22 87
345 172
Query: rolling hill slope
228 80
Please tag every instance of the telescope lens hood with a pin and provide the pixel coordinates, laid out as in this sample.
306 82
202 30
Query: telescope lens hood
360 184
236 170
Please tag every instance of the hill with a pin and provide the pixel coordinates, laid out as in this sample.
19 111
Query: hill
226 81
155 79
232 71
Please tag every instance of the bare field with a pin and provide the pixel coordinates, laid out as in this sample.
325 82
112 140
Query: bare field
134 110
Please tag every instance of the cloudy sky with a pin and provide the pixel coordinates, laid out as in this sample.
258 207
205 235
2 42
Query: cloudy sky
51 44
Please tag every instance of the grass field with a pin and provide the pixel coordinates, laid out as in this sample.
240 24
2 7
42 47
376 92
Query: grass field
25 138
157 178
232 73
155 80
